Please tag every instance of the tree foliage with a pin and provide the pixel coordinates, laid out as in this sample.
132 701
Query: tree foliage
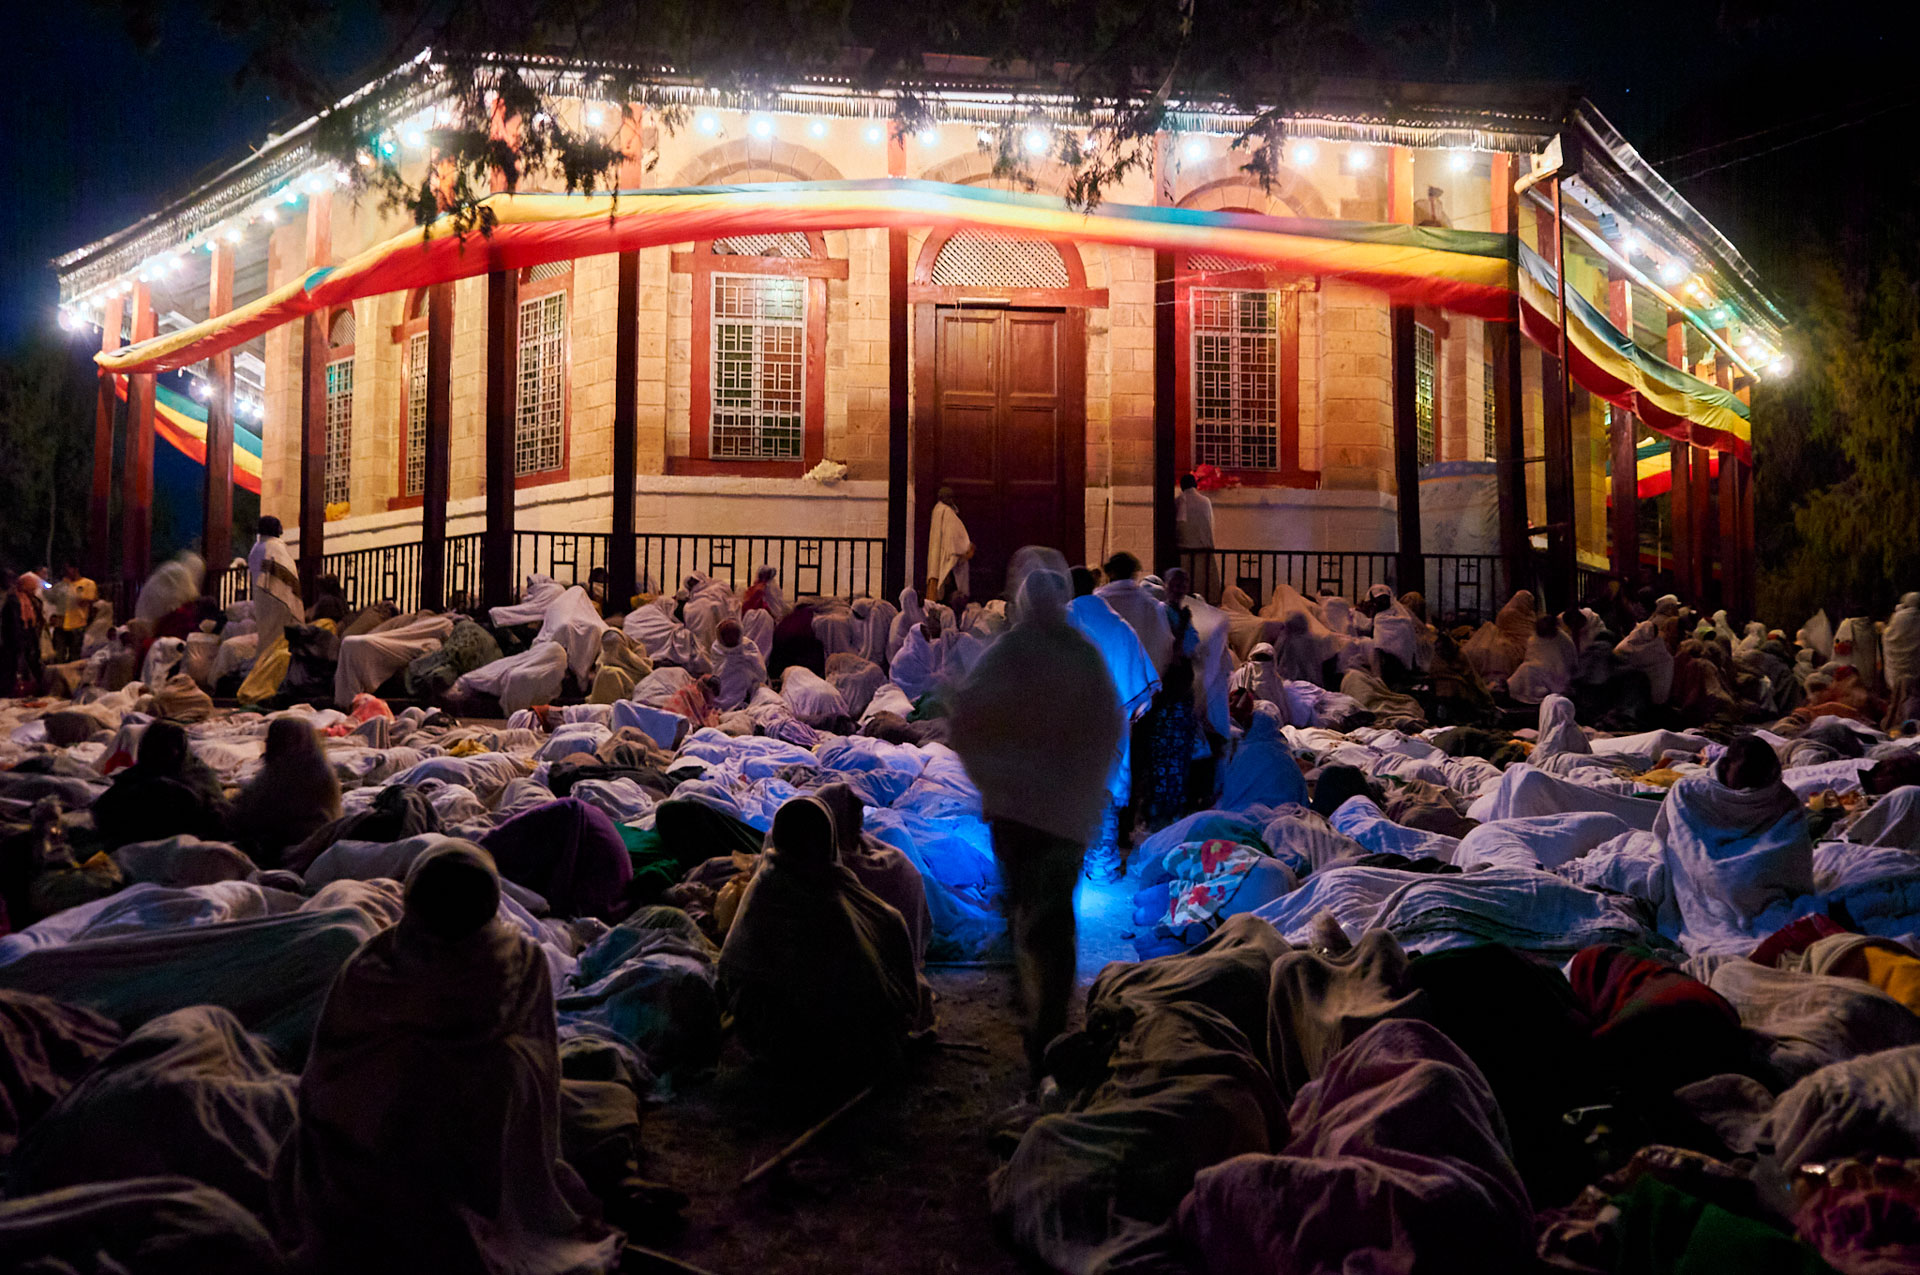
1118 65
46 406
1839 451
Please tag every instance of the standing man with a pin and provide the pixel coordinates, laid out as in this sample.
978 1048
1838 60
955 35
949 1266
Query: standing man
276 584
82 593
1193 534
949 549
1036 723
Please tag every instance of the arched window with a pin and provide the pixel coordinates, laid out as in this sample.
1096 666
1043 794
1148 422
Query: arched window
540 407
1237 388
977 259
759 352
336 482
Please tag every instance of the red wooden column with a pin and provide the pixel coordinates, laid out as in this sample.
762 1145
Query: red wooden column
217 508
1166 347
436 483
497 581
899 407
1509 424
1406 453
136 497
1700 502
313 404
100 506
1620 438
1557 432
503 397
1680 491
626 436
621 565
1749 553
1400 185
1727 493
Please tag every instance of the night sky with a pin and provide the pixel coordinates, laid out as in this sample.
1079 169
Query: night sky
1811 101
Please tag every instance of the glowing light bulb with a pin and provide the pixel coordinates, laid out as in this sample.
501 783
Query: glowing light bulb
875 134
1359 159
708 124
928 136
1720 316
817 129
67 320
1459 161
414 138
316 184
1304 153
595 117
1630 242
1035 140
984 136
234 234
290 195
1780 366
761 127
1193 149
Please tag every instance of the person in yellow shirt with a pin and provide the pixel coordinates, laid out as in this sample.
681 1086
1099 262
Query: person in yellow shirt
71 624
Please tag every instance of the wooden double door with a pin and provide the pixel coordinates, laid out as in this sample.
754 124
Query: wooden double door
1001 419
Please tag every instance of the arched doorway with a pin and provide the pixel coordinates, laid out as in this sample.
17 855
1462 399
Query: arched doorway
1000 371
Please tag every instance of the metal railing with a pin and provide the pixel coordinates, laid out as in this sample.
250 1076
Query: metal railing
809 566
391 573
826 566
229 586
1464 588
1259 572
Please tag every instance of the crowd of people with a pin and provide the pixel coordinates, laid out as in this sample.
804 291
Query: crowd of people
1556 938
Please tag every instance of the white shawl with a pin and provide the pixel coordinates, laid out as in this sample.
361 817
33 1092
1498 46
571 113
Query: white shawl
272 571
947 542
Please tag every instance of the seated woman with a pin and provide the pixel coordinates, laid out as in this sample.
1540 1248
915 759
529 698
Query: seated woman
738 666
1737 848
292 797
1549 666
818 971
165 793
428 1134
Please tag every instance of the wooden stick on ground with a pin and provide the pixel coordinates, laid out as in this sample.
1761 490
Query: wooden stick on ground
650 1260
793 1148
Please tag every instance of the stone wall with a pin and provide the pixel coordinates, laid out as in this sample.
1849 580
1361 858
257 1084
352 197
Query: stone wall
1345 399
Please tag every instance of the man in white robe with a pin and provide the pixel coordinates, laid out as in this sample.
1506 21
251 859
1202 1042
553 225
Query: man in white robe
949 548
275 580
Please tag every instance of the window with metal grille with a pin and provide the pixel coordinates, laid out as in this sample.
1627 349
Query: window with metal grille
416 475
759 367
973 260
1424 379
1486 411
539 432
1205 263
1236 382
334 484
792 244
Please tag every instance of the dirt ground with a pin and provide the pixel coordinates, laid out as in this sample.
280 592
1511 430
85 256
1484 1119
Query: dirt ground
896 1187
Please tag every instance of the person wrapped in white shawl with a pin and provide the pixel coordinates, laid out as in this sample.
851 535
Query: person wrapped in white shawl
275 579
949 548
